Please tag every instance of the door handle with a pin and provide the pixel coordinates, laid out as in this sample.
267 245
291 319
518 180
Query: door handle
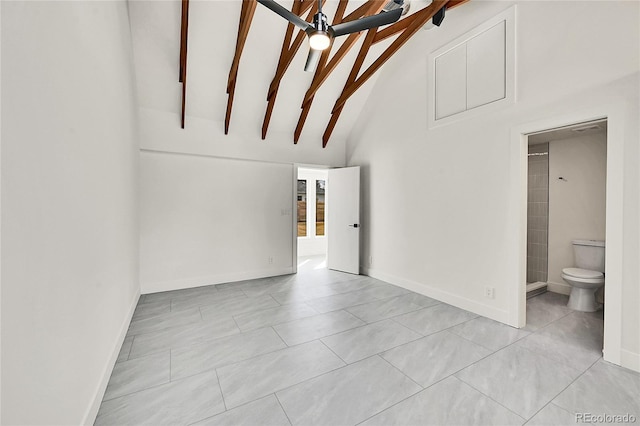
355 225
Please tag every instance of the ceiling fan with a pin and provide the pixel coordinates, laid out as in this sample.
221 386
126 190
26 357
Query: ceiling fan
320 33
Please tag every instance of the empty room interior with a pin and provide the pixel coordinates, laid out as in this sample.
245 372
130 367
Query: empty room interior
319 212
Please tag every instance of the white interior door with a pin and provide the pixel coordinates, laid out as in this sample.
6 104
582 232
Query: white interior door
343 219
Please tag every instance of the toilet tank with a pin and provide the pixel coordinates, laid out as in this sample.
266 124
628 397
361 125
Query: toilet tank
589 254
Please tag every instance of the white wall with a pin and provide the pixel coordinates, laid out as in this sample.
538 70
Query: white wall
207 220
311 244
437 203
577 206
69 219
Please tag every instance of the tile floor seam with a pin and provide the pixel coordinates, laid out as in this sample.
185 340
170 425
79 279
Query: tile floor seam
143 389
297 383
399 402
460 369
572 382
274 299
415 331
235 322
286 344
277 323
545 406
489 397
551 400
234 362
332 351
474 363
385 350
221 394
564 363
130 347
382 319
328 335
279 337
136 392
402 372
282 407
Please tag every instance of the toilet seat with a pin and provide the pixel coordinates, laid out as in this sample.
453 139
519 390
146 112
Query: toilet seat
583 275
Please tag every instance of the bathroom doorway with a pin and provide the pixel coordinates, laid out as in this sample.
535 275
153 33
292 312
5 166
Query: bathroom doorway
566 200
616 168
566 203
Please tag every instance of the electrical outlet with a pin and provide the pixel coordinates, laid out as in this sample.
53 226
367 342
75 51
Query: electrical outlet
270 260
489 292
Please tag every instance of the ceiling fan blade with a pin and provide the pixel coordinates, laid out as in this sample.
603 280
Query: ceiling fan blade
366 23
312 60
286 14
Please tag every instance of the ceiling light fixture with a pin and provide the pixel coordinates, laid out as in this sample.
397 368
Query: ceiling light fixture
319 40
320 33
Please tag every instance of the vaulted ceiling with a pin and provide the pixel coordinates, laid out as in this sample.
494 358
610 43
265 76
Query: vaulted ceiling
240 64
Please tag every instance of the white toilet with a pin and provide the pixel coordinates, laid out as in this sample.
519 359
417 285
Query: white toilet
587 277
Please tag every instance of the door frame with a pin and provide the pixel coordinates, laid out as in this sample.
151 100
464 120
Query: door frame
614 218
294 210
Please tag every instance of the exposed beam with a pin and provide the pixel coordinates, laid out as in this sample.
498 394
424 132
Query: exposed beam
287 53
184 18
418 20
374 6
403 24
184 31
246 16
325 68
306 107
357 65
421 18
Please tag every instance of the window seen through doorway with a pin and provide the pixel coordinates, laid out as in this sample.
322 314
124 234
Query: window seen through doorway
302 208
320 207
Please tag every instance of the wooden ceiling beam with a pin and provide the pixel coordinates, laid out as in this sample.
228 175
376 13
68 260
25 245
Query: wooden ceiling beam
420 18
362 54
403 24
373 7
182 78
306 107
290 49
287 54
246 16
326 66
184 18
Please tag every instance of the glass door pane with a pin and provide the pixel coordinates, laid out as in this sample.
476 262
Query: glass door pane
320 207
302 208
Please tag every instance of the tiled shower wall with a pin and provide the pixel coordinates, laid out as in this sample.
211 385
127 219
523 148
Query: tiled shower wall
537 213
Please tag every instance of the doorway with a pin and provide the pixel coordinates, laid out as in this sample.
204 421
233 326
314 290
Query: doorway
311 229
613 221
566 215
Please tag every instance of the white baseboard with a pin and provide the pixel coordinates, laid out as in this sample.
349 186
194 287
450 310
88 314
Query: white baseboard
443 296
158 286
92 411
562 288
630 360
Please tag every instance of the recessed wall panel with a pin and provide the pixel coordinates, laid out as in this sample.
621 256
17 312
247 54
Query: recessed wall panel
451 81
486 67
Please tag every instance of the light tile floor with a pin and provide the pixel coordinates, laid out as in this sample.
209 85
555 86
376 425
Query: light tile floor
327 348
